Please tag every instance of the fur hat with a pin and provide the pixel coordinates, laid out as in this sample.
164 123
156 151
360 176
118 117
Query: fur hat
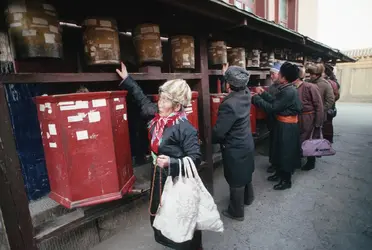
289 71
315 69
237 76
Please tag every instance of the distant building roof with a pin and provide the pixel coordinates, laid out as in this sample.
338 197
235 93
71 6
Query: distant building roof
357 53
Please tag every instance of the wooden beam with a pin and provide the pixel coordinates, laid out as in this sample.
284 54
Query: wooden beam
205 115
89 77
13 199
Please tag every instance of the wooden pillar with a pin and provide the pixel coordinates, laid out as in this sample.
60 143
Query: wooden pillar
13 199
205 114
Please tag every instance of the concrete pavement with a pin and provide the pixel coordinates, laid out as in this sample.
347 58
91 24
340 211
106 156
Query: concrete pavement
329 207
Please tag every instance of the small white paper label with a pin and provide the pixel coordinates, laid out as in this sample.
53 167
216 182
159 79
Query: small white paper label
37 20
12 25
17 16
75 118
28 32
49 38
53 144
105 23
216 100
82 135
125 117
94 116
53 28
121 106
42 107
116 100
99 103
52 129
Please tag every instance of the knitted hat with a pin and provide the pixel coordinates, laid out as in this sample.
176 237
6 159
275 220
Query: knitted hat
289 71
237 76
276 67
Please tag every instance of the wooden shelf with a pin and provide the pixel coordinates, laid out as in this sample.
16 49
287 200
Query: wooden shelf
22 78
262 73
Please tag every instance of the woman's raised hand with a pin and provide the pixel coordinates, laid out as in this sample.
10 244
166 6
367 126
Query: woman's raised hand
123 73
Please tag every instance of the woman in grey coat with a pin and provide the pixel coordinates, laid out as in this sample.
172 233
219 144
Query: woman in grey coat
233 132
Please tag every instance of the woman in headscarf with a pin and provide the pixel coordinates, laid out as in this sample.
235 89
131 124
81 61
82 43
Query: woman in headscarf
172 138
286 106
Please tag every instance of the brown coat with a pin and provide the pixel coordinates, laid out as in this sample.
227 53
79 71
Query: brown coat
312 112
326 92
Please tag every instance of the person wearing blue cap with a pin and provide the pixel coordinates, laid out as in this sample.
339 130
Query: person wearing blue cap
233 132
273 90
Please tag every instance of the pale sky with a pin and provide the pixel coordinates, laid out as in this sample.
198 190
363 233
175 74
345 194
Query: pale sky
345 24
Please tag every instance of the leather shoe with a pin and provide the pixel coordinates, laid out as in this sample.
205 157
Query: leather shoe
282 185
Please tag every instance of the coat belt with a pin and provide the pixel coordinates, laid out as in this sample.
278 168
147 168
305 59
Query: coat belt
287 119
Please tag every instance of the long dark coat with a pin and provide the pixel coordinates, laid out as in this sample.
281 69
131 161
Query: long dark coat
178 141
313 112
286 136
233 132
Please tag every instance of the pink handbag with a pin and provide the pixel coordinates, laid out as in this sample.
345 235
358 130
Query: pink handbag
317 147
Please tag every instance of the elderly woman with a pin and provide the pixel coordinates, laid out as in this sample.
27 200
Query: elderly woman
172 138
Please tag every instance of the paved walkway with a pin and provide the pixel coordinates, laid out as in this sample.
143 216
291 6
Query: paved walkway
327 208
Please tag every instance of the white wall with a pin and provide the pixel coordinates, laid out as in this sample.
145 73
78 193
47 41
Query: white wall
308 18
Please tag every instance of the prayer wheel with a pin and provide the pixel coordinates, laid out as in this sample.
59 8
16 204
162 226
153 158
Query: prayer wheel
34 30
236 57
217 53
264 60
255 58
101 41
148 43
6 59
271 59
183 52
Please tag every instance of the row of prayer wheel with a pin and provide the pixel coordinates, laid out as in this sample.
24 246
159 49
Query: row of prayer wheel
218 53
35 32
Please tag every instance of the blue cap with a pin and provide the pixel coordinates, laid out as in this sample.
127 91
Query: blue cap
276 67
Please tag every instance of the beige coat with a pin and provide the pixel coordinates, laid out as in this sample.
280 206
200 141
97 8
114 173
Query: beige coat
326 93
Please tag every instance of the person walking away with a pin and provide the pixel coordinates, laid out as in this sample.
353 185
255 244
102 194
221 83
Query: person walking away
312 114
172 138
331 114
286 106
233 132
316 77
273 90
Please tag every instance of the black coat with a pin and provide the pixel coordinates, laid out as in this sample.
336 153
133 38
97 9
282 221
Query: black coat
286 152
178 141
233 132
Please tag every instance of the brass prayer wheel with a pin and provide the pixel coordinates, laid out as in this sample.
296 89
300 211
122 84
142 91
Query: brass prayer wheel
236 57
101 41
34 30
255 58
183 52
217 53
148 44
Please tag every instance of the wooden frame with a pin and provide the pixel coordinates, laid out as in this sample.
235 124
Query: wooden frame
13 201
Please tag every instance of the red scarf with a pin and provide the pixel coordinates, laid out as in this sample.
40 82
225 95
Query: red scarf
157 125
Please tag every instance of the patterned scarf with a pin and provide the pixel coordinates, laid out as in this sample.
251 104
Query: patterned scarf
156 127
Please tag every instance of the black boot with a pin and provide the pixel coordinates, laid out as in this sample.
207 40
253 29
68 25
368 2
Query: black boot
236 206
310 164
275 177
285 181
248 194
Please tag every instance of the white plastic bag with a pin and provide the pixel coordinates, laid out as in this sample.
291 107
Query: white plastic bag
176 217
208 216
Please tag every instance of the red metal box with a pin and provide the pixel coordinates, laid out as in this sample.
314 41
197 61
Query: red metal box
86 144
191 110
